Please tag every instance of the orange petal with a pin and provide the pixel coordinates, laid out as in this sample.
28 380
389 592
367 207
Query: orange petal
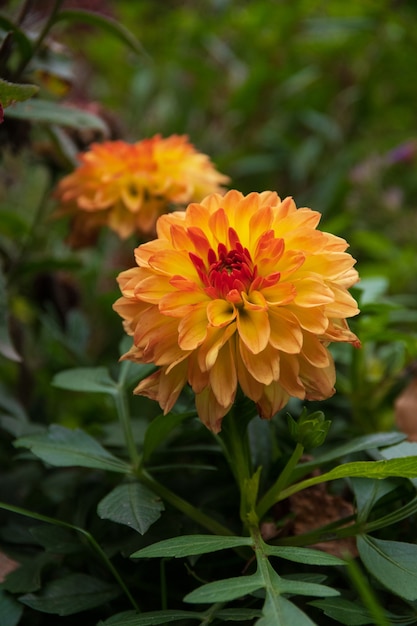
209 350
182 301
192 329
253 328
272 400
209 410
344 305
312 319
264 366
219 225
312 292
289 376
314 351
251 387
319 383
220 312
223 378
286 333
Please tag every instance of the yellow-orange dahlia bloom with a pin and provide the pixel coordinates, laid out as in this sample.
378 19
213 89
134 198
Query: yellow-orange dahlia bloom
127 186
238 290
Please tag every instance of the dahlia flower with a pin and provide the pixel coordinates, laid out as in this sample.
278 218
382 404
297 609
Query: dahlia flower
238 291
127 186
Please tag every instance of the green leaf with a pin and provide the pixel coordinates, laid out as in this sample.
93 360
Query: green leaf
71 594
10 610
344 611
190 545
132 504
14 92
63 447
87 379
365 442
278 611
237 615
308 556
405 468
151 618
48 112
19 36
115 28
6 346
225 590
302 588
27 577
393 563
368 492
159 429
56 539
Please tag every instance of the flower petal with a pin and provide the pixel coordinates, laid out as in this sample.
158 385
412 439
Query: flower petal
286 333
220 312
192 329
223 377
263 366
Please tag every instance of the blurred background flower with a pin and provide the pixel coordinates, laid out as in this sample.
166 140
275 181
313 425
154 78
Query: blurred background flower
127 186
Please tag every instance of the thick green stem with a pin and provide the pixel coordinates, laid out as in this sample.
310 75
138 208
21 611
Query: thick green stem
182 505
234 440
96 546
273 494
124 417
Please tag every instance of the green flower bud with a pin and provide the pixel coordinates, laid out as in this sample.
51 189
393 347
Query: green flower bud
310 430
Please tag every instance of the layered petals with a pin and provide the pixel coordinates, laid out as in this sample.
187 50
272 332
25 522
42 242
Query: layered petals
128 186
239 291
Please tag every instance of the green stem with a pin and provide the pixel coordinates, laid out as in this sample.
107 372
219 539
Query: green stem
234 441
273 495
122 407
182 505
40 39
96 546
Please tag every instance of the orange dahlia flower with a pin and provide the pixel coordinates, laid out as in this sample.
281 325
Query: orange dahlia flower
127 186
238 290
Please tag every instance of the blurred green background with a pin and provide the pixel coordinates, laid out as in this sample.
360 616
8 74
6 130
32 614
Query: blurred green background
311 98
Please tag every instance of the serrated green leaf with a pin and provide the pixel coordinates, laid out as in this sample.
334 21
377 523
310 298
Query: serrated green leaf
278 611
48 112
63 447
225 590
10 610
308 556
190 545
14 92
71 594
86 379
344 611
150 618
393 563
104 22
132 504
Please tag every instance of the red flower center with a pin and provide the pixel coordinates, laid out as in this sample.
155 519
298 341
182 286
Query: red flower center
227 271
230 270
